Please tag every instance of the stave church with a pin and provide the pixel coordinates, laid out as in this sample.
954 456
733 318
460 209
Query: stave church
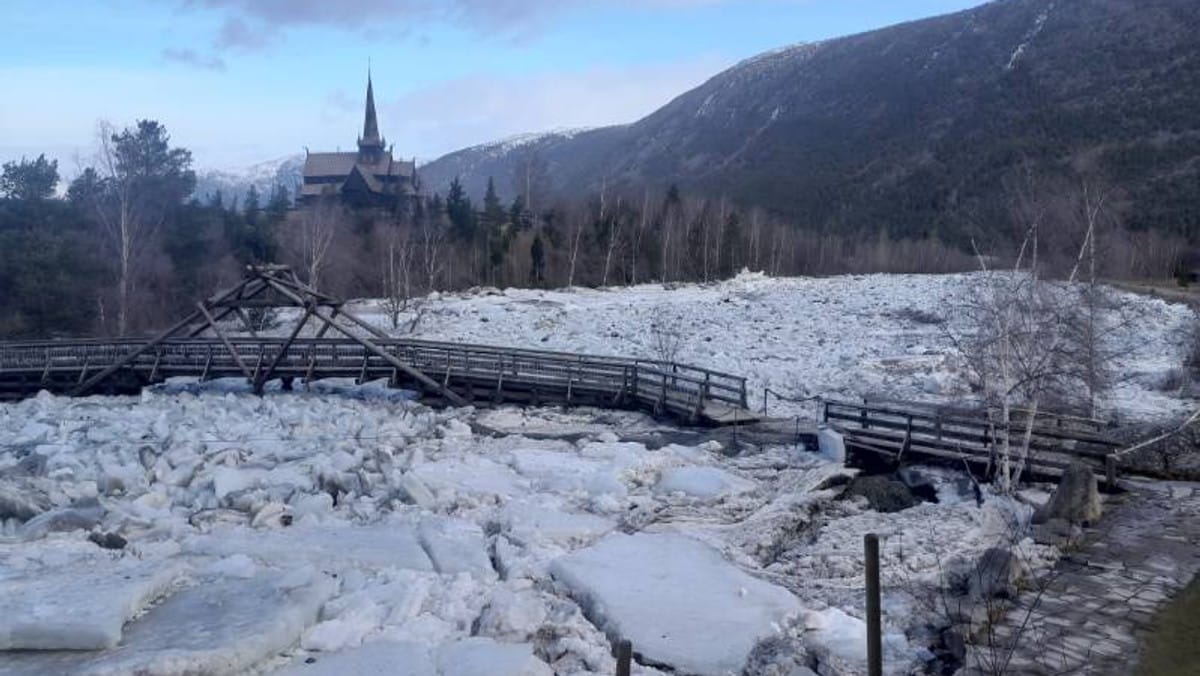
368 178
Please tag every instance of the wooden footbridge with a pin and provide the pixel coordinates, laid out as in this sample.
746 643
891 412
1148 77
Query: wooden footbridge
897 433
344 346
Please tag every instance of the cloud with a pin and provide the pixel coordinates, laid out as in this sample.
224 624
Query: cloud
237 34
190 57
251 24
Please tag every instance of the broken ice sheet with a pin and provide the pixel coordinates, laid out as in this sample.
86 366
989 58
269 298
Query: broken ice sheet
78 606
216 627
678 600
474 656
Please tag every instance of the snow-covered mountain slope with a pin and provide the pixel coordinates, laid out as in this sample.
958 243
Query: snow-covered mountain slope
913 127
233 184
503 161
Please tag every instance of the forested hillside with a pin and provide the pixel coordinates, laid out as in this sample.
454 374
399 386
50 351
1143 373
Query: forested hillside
918 128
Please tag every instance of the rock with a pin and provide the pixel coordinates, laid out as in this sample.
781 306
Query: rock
993 576
883 494
955 644
108 540
1056 533
1075 500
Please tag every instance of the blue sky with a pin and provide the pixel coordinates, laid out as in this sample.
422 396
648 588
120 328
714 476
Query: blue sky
243 81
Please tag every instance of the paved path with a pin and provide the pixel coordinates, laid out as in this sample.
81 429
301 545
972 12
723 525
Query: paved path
1102 597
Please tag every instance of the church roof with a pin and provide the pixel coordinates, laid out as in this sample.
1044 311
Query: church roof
341 164
329 164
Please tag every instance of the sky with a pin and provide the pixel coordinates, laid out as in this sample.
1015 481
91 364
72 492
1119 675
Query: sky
245 81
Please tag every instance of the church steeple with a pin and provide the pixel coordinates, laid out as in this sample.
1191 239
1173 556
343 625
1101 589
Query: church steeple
371 122
371 144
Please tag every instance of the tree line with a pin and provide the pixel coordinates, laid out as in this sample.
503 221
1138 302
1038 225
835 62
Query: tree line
128 247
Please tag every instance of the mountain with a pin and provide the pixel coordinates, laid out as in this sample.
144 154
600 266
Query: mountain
235 183
502 161
915 128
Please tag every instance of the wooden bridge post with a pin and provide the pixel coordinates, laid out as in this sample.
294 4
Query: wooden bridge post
874 616
46 370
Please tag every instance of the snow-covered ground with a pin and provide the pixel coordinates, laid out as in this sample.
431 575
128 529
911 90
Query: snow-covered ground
318 533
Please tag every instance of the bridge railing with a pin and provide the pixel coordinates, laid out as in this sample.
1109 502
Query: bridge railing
899 430
651 381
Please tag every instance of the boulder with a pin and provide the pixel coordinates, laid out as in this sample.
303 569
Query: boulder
994 574
1056 533
1075 500
883 494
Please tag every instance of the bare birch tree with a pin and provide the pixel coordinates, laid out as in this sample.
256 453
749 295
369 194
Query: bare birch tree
141 179
315 233
397 268
576 237
432 257
1031 343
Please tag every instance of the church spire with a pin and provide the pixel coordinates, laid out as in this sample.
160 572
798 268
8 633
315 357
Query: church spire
371 122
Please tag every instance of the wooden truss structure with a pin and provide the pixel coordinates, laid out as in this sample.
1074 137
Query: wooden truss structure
268 287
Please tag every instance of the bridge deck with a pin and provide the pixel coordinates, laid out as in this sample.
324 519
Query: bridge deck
477 373
897 433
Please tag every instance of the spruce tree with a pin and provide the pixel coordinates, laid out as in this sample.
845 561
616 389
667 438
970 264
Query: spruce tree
460 211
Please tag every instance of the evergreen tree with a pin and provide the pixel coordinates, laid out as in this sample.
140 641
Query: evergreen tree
251 210
278 204
537 261
518 215
496 230
86 189
29 180
461 212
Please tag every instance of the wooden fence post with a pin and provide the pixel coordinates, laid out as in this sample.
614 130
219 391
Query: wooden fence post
874 623
624 657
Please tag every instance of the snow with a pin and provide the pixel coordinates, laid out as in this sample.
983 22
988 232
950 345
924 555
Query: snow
349 529
679 601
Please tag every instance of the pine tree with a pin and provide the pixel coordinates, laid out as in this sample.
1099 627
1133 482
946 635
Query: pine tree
251 208
496 230
460 211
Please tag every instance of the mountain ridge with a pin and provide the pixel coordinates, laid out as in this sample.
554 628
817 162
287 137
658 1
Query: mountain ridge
914 127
